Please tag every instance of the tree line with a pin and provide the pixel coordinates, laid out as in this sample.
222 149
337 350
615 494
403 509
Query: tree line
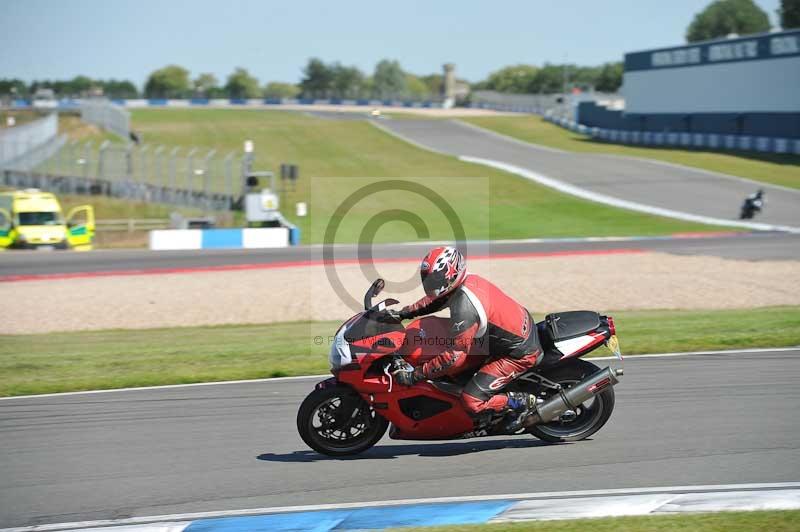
740 17
77 87
320 80
549 79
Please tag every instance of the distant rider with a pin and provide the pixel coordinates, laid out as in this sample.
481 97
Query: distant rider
753 204
480 313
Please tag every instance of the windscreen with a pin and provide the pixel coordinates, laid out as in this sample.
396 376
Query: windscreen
39 218
367 326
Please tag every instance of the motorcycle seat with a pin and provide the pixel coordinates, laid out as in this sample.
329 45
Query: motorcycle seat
564 325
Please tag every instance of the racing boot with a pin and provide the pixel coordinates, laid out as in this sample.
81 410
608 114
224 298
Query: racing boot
522 405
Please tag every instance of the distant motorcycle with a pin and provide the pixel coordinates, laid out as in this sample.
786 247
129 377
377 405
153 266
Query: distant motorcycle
348 413
752 205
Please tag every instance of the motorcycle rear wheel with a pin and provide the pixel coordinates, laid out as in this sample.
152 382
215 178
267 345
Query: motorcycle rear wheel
336 421
591 415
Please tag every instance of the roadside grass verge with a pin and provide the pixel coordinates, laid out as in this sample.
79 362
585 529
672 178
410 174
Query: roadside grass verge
61 362
72 126
337 157
115 208
758 521
775 168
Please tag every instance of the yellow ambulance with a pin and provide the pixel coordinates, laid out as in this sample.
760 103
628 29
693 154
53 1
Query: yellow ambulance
32 219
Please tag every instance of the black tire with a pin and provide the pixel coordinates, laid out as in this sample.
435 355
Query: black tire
592 415
335 432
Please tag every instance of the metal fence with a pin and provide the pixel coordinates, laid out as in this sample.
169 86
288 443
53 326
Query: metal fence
189 177
16 142
107 115
557 105
129 225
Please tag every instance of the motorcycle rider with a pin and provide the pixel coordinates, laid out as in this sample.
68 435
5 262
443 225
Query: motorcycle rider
480 315
753 204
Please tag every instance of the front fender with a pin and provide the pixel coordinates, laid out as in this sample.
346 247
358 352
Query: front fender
327 383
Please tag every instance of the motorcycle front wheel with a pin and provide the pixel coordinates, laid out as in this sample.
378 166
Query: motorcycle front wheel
590 416
337 421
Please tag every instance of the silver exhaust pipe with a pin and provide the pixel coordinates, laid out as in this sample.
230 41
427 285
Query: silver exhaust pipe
570 399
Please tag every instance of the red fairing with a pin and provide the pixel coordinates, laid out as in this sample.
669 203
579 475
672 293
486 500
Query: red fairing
449 424
374 388
611 327
593 340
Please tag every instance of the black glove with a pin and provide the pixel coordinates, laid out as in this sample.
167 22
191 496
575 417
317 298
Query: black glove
394 314
388 316
408 377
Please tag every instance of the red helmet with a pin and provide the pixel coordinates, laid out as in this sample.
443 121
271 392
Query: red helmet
442 270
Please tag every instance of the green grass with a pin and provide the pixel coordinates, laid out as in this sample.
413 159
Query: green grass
116 209
761 521
779 169
21 116
75 129
653 331
337 157
45 363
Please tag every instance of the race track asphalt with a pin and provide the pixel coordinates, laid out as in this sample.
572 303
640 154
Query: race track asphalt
750 246
702 419
639 180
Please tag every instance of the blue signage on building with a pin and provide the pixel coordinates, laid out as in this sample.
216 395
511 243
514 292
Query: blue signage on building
762 46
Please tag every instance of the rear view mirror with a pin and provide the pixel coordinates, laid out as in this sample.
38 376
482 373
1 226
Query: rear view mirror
374 290
377 287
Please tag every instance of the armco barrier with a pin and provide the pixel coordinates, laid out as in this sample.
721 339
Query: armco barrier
69 104
248 238
688 140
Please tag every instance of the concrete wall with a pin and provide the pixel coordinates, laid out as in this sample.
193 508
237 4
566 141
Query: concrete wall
768 86
748 86
752 74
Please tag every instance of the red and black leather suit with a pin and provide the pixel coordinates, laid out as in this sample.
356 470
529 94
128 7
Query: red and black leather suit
489 331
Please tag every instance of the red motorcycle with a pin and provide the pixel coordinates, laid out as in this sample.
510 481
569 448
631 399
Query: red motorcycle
348 413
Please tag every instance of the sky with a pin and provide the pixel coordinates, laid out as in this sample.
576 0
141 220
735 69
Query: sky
123 39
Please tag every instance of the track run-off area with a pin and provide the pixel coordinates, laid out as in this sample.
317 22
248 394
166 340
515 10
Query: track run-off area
725 418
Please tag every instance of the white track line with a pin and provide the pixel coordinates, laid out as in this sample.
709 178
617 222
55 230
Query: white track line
377 504
169 386
414 143
506 138
629 157
762 184
650 504
718 352
583 193
309 377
